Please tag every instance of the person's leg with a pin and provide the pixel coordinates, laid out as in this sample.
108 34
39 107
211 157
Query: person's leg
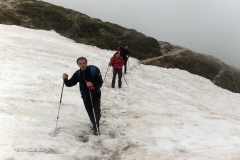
125 65
114 78
88 106
97 110
119 78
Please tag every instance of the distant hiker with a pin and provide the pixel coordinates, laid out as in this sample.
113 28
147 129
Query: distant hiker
117 62
118 48
125 54
89 77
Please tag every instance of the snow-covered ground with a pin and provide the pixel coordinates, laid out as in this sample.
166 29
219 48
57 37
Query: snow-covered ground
167 114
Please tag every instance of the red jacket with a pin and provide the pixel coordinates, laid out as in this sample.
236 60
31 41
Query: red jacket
117 63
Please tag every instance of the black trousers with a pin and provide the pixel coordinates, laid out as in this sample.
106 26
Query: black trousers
96 99
115 72
125 64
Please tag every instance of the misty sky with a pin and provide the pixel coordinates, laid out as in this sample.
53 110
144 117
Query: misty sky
205 26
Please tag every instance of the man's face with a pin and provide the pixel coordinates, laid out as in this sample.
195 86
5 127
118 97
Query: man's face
82 64
118 55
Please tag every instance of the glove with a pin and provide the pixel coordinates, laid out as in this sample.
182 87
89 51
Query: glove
90 87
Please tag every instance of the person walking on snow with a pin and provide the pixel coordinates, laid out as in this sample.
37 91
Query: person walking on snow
89 78
117 62
125 54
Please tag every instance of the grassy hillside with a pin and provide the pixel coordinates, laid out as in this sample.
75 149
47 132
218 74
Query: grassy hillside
79 27
230 79
206 66
192 62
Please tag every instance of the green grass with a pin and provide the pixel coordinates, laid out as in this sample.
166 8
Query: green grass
9 18
47 17
230 79
192 62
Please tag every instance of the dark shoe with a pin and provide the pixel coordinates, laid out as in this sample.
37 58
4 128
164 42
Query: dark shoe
113 87
119 87
95 132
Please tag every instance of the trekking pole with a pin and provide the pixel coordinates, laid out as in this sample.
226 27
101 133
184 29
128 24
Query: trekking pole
125 81
105 74
94 113
59 107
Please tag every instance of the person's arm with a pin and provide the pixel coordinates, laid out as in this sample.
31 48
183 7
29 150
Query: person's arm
72 81
111 62
128 53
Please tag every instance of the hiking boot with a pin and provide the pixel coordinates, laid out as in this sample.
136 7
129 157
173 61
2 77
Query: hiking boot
95 132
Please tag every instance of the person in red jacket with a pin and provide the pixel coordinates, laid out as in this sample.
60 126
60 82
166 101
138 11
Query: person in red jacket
117 62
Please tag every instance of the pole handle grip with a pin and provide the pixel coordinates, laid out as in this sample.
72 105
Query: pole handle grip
90 87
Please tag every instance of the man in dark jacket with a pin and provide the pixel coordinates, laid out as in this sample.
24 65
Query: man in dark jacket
125 54
90 81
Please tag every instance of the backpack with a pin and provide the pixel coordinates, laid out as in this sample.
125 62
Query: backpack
92 69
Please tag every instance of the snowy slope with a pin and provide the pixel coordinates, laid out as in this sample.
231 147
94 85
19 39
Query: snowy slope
166 114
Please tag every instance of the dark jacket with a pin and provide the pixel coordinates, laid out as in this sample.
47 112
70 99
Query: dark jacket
93 76
124 53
